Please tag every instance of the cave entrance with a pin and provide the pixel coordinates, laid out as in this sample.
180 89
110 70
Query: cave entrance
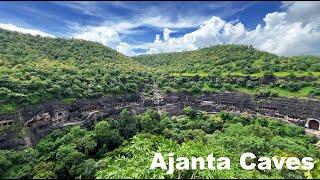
313 124
60 115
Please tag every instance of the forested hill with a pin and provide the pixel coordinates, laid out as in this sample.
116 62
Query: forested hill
235 59
236 68
19 47
35 69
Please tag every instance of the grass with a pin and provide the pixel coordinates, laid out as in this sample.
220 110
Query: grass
69 100
8 108
207 88
303 93
201 74
259 74
258 63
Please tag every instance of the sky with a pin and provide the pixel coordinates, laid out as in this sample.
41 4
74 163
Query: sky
133 28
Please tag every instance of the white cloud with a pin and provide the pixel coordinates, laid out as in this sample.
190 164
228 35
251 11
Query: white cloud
128 26
294 31
274 19
13 27
282 34
210 32
106 34
103 35
302 11
284 37
165 22
166 34
126 49
157 39
86 7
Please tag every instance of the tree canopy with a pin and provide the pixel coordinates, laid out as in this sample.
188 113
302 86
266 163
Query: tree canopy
124 147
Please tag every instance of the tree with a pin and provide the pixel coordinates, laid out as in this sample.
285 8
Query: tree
4 163
66 157
150 122
44 170
190 112
85 170
102 131
128 124
108 139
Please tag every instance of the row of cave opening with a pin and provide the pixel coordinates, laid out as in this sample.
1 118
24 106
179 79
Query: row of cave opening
59 116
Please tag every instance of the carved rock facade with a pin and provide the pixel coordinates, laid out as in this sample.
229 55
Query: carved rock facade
40 120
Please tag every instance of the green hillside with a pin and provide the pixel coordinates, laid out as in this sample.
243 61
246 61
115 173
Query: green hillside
234 59
236 67
34 69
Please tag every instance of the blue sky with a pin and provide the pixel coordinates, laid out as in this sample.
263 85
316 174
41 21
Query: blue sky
152 27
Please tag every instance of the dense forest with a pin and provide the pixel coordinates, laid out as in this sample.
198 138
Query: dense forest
124 147
235 59
237 68
34 69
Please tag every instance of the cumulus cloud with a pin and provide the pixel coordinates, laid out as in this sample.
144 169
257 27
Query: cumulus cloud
294 31
108 32
283 36
302 11
210 32
157 39
107 35
13 27
281 33
166 34
103 35
126 49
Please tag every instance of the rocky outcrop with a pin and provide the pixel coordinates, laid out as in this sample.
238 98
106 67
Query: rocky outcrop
11 138
42 119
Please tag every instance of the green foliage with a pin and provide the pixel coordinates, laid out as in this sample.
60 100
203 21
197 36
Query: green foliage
34 69
128 124
264 137
124 147
44 170
316 91
233 67
137 158
227 58
190 112
4 163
